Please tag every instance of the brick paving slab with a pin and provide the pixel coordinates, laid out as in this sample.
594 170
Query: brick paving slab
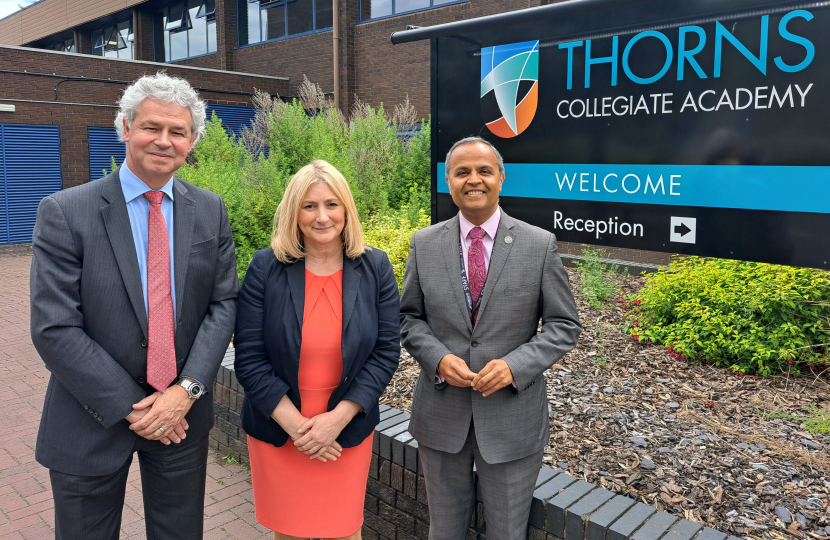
25 494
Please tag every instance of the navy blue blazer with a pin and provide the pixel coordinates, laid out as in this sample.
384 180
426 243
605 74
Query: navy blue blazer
269 318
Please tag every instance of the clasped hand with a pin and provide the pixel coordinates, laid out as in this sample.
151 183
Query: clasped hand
164 410
494 376
316 436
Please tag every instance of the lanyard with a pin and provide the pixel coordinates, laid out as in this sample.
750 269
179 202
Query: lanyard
466 285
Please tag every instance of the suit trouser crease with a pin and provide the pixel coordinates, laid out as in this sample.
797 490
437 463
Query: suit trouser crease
506 491
173 488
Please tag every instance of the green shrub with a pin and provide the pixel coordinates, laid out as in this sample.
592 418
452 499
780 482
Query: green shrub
756 318
600 281
389 177
221 164
391 232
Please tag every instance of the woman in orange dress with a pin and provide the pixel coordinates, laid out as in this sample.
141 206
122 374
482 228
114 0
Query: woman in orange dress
317 341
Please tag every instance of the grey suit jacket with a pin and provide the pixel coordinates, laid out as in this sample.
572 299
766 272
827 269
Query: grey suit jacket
89 323
525 282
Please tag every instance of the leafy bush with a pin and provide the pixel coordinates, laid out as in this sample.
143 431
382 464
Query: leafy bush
391 232
753 317
600 281
388 175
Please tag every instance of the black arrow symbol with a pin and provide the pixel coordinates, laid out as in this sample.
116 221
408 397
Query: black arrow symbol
682 229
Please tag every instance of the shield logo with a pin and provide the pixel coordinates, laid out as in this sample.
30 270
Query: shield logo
509 87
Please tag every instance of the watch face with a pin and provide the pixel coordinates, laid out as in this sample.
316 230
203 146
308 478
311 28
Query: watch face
196 390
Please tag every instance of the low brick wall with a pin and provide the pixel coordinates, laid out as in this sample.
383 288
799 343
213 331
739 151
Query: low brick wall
563 508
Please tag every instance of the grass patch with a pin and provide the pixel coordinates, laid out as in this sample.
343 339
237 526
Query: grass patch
819 420
815 420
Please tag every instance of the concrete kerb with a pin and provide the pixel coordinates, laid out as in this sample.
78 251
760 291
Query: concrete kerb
16 249
563 507
633 268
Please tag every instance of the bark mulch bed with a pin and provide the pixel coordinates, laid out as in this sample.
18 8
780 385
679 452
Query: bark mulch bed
696 441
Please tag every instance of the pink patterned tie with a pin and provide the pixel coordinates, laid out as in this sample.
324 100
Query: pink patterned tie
476 268
161 348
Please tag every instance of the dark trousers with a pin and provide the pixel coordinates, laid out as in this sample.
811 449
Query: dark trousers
506 491
172 483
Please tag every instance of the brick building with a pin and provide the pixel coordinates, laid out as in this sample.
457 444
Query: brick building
64 62
288 38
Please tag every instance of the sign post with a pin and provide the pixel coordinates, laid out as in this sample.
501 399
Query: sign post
654 125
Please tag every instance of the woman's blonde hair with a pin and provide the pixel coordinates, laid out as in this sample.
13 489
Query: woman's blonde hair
287 239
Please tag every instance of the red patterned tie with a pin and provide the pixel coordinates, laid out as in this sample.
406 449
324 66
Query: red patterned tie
161 348
476 268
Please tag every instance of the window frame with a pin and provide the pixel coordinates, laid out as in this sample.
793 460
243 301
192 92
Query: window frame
66 45
203 12
160 18
394 14
182 25
272 4
106 42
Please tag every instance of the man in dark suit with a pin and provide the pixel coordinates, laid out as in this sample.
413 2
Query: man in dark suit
133 299
474 291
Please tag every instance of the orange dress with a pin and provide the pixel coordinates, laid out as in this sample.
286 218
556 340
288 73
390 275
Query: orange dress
293 494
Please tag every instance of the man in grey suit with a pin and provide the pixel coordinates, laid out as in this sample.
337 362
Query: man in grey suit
474 290
133 301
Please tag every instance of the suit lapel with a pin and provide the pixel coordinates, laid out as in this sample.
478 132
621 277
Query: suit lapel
184 214
351 285
451 238
296 284
120 233
498 258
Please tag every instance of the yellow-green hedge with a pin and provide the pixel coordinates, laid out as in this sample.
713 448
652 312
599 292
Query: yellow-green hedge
391 232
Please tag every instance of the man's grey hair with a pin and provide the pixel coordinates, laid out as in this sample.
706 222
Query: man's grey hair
165 89
472 140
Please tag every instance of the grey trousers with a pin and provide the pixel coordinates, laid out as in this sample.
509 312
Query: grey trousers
506 491
172 484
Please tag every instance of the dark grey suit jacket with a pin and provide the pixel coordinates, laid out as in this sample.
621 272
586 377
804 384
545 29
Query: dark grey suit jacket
90 326
525 282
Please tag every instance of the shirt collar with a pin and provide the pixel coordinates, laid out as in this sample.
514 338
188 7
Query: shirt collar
132 186
491 226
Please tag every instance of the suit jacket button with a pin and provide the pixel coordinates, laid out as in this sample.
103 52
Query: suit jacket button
144 343
141 380
474 344
100 418
86 407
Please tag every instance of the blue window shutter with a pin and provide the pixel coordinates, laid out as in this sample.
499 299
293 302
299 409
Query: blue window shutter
233 116
103 146
4 208
31 171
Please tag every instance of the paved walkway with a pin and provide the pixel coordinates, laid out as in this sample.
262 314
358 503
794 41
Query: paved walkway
26 508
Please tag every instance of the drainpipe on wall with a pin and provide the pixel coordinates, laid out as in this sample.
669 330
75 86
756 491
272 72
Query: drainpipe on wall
336 55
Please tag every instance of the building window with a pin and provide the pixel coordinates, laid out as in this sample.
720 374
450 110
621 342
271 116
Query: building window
274 19
114 41
376 9
185 30
65 46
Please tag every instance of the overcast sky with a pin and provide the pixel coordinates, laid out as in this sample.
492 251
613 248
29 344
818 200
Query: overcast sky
7 7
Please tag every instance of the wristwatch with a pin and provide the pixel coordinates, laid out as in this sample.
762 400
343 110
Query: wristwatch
194 389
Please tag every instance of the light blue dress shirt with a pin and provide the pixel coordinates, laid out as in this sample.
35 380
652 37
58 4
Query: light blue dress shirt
138 208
